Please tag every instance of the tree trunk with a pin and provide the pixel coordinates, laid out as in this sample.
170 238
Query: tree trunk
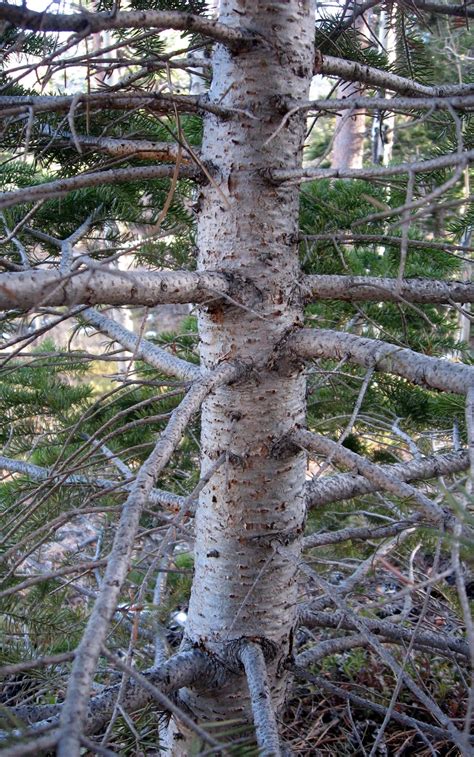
250 517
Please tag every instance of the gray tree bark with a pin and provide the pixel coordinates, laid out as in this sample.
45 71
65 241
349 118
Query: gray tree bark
244 583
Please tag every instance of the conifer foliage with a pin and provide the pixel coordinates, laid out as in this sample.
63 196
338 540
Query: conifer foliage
214 535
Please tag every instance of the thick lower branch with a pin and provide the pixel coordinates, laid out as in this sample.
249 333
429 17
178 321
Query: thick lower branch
433 373
253 660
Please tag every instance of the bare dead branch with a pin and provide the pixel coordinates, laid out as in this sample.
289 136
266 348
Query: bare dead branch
311 618
374 289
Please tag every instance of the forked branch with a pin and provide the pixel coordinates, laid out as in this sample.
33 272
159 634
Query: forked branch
328 489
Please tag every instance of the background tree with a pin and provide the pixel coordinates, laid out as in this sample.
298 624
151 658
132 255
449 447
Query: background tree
317 337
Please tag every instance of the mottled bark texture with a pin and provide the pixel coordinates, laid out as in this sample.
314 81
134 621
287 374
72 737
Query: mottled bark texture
250 518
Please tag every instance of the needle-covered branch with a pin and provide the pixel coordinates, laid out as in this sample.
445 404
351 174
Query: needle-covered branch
141 348
375 289
372 172
320 445
253 660
75 705
430 372
105 286
51 189
325 490
91 23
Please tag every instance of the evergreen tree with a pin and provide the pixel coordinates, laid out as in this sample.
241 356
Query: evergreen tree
174 466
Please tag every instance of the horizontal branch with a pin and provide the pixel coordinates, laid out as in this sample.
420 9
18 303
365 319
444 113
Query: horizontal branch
375 289
60 187
91 23
170 365
139 148
399 104
158 497
105 286
180 670
338 620
353 533
371 172
325 490
430 372
380 477
461 11
359 72
158 102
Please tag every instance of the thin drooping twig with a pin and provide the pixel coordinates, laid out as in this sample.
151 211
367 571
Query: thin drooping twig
433 373
75 705
266 729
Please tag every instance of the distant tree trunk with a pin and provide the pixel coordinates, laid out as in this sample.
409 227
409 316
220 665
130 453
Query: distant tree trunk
250 517
383 124
348 145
